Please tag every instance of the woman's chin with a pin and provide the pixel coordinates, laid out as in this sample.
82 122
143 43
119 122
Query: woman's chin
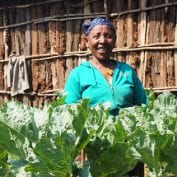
103 57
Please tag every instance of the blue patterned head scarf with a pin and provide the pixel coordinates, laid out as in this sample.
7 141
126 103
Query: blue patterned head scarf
97 21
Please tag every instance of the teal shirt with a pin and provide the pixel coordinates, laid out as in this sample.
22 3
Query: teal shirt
85 81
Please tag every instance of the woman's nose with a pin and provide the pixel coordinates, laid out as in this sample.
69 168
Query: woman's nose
102 39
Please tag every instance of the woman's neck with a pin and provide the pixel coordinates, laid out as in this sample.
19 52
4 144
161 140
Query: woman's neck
105 62
105 66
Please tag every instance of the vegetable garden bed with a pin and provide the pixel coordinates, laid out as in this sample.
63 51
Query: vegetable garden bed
44 142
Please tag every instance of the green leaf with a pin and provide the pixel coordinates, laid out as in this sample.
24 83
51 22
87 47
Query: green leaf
116 159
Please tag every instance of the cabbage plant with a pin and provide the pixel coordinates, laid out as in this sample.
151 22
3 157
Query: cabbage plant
47 141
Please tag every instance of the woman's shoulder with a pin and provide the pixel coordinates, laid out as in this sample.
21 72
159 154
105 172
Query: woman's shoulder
124 66
84 65
81 68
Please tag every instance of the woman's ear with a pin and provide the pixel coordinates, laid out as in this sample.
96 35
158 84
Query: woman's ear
83 43
86 41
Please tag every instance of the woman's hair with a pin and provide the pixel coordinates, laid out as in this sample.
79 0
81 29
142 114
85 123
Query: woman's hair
87 27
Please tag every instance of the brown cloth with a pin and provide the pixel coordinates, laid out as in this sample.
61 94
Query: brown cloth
17 75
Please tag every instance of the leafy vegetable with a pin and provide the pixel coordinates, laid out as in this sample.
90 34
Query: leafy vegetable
152 133
45 142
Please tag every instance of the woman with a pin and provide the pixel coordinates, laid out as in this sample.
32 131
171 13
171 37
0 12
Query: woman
103 79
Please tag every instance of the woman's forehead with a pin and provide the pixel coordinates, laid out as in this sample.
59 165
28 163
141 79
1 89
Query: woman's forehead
101 29
95 22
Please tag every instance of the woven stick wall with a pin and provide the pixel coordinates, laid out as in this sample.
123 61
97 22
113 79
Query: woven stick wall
48 34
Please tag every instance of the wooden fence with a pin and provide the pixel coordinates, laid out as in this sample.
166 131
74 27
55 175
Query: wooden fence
48 34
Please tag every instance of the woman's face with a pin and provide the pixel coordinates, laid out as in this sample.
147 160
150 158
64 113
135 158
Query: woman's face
100 42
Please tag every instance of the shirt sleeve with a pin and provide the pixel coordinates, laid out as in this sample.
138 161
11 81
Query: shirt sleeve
72 88
140 95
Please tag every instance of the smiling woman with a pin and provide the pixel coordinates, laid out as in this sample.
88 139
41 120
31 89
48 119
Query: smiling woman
104 79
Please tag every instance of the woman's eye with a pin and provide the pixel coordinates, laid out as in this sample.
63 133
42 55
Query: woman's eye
105 36
96 36
108 36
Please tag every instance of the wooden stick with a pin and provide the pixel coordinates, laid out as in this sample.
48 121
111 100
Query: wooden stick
163 89
29 93
142 41
145 9
144 48
157 44
41 57
175 54
56 18
106 9
29 5
53 90
42 3
48 92
85 16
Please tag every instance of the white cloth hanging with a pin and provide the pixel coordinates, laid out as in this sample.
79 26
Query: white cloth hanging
17 75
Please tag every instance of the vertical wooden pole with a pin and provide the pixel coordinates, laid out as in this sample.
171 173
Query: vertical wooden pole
86 9
35 51
82 45
1 58
19 38
6 53
53 38
142 40
6 36
175 53
2 49
1 76
69 40
27 51
106 9
129 26
28 34
163 54
130 34
120 32
61 48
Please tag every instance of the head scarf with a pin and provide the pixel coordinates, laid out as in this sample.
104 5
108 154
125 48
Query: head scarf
97 21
